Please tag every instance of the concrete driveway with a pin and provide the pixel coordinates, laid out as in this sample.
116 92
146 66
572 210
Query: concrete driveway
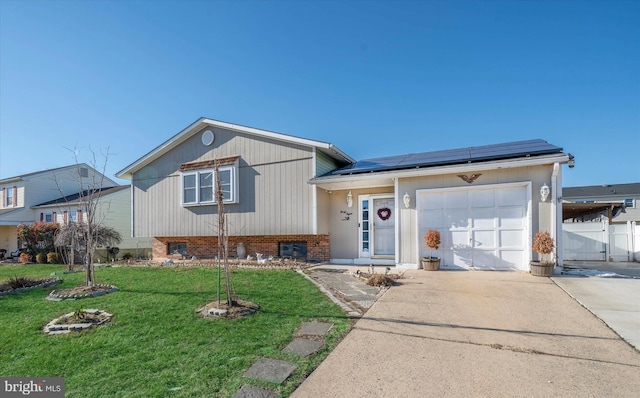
477 334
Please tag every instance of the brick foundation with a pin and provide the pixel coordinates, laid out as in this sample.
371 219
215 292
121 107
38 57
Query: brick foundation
204 247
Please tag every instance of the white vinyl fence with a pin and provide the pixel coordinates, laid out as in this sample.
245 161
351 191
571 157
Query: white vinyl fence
599 241
636 241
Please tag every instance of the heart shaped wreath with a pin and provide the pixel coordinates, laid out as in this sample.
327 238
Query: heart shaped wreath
384 213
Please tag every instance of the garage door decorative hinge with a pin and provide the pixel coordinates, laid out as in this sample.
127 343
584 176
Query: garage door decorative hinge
470 178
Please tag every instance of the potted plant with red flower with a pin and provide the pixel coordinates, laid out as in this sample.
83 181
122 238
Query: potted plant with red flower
543 244
432 240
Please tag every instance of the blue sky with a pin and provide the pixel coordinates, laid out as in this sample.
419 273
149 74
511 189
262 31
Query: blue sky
374 78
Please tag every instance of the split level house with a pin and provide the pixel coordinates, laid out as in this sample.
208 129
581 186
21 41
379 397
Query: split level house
602 222
58 195
289 196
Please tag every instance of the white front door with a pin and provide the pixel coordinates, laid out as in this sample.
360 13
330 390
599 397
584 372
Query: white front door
377 226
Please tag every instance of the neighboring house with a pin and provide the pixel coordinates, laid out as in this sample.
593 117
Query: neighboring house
602 222
291 196
626 194
113 210
36 197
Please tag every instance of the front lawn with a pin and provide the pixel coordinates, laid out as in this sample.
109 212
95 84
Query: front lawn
156 345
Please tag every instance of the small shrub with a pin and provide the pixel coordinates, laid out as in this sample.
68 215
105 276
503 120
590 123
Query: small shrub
543 244
41 258
25 258
54 258
432 240
79 314
127 256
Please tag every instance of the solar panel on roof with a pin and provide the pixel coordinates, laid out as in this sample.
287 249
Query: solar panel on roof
452 156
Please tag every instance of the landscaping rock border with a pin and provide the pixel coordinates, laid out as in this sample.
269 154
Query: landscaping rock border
56 296
48 282
53 327
208 263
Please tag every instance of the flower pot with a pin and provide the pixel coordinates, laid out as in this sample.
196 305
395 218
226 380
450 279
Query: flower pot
541 269
241 251
431 263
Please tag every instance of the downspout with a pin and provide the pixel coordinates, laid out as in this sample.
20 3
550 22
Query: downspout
396 194
133 206
314 194
556 216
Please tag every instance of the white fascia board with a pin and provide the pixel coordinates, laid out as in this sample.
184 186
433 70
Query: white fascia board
11 180
371 182
202 122
451 169
159 150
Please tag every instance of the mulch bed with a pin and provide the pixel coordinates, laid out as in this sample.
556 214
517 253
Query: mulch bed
82 292
23 284
222 309
77 321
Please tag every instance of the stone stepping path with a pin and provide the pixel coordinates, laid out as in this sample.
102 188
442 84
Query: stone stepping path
353 291
249 391
273 370
314 329
303 347
276 370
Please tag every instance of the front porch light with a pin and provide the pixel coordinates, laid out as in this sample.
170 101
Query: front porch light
349 199
544 193
406 199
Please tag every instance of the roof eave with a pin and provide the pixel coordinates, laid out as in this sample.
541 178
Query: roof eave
450 169
202 122
10 180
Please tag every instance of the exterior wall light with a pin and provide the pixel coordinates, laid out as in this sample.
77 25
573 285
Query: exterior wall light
544 192
572 161
349 199
407 200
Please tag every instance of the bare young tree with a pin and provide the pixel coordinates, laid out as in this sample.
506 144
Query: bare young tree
87 234
223 239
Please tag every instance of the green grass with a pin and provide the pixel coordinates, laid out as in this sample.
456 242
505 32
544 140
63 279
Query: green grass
156 345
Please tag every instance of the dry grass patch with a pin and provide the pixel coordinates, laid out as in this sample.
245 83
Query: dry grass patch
380 280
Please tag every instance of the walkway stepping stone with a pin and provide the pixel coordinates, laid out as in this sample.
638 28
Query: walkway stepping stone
249 391
273 370
314 329
303 347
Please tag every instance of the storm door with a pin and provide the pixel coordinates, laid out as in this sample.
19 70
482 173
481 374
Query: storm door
377 226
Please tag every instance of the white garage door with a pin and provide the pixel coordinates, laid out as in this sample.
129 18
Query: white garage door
484 227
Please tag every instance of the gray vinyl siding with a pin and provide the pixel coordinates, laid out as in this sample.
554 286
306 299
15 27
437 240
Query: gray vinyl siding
273 194
324 164
115 212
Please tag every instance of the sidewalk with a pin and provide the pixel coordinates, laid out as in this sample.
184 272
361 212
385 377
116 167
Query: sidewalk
616 301
474 333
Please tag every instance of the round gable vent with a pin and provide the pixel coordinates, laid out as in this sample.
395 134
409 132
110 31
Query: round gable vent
207 137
